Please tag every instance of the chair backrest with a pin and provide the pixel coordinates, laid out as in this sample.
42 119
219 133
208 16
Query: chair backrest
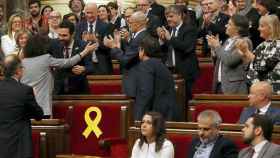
114 122
230 113
36 144
203 83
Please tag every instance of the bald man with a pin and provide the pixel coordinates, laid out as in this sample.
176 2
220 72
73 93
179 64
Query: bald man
91 25
260 103
129 57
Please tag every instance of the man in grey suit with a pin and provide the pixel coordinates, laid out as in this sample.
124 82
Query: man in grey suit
260 103
257 132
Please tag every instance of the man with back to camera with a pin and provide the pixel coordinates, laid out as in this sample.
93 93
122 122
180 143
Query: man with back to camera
17 106
260 103
257 132
210 143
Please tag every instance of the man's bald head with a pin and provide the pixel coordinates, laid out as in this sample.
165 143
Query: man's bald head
263 87
90 12
138 21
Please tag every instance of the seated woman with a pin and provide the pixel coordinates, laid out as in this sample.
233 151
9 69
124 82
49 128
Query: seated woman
230 74
152 142
264 61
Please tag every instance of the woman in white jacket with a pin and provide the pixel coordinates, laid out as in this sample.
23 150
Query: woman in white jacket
8 43
152 142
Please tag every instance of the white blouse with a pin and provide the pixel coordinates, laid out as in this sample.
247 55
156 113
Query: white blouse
148 150
8 45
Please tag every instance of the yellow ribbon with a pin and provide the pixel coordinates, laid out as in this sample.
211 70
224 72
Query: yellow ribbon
92 125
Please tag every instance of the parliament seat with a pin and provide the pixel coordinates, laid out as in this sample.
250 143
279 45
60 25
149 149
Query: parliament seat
114 123
39 144
203 84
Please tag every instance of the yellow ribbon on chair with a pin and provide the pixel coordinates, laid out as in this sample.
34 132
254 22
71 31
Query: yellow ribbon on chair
92 126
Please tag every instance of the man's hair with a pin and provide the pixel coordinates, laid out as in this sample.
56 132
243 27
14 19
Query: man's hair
264 88
265 124
33 2
214 116
242 24
271 5
174 9
82 2
66 16
11 64
67 25
113 5
151 46
36 45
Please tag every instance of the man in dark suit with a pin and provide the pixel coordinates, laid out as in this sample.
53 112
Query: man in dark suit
179 43
210 143
128 57
257 132
260 103
154 15
72 80
17 107
155 84
212 22
93 30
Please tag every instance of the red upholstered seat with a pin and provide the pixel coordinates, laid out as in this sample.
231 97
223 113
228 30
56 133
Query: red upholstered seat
110 126
204 82
36 144
105 88
229 113
181 144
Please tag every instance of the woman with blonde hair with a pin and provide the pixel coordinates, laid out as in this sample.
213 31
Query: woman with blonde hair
21 38
264 60
8 43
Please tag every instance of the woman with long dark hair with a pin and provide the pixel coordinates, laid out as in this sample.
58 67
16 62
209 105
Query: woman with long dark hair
152 142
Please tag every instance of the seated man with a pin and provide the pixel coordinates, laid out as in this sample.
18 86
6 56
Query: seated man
210 143
155 86
257 132
260 103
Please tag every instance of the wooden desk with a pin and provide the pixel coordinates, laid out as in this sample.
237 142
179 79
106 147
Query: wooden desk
79 156
57 136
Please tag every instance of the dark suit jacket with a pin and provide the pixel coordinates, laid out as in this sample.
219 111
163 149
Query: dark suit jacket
184 47
272 113
219 27
223 148
65 77
155 91
104 65
129 61
17 106
269 150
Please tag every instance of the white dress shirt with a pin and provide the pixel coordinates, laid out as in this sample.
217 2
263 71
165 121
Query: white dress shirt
258 148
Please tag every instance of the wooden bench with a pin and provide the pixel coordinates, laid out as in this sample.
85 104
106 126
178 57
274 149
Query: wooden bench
112 84
225 97
229 110
54 137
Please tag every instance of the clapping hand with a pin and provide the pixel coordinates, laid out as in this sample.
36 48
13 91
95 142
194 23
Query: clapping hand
213 41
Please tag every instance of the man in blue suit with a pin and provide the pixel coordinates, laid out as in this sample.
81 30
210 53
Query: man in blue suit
260 103
93 30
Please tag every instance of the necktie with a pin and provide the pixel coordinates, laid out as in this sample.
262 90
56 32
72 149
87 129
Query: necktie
251 152
170 62
66 52
90 28
174 32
